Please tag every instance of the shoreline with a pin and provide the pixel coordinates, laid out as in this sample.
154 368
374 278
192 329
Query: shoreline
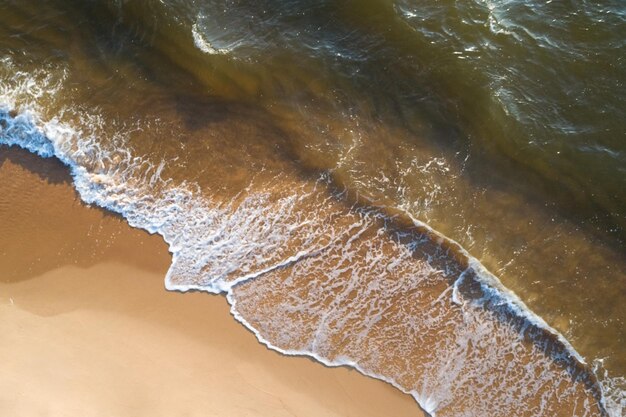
87 320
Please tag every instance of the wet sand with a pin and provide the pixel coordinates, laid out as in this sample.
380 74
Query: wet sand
88 328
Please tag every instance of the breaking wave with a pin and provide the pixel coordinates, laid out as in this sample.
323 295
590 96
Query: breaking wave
312 274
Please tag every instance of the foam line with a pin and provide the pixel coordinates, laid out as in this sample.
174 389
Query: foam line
108 188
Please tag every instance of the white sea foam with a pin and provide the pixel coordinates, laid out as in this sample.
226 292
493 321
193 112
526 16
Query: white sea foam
213 246
333 307
217 247
203 44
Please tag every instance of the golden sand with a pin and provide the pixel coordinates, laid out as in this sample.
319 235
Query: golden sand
88 329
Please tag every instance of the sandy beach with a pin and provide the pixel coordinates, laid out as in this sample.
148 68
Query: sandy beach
89 330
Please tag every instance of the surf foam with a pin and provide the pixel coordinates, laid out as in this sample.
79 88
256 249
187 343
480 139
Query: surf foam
218 248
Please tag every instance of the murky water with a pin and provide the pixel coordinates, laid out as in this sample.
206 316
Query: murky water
317 161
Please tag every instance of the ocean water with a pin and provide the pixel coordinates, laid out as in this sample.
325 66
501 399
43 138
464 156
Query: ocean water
429 192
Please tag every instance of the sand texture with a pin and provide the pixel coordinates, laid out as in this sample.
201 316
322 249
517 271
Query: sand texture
88 329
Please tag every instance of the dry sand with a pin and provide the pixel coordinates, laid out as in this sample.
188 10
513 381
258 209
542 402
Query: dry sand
88 329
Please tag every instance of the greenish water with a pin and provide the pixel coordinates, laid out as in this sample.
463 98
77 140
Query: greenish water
499 124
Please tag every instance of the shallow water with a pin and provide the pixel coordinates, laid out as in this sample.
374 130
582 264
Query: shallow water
314 159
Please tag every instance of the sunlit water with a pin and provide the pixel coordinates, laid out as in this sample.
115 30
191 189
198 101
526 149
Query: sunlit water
319 162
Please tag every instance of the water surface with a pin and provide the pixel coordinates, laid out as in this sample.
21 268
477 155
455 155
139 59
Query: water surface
339 169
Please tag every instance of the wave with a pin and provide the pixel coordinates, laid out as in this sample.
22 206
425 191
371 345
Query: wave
261 239
305 267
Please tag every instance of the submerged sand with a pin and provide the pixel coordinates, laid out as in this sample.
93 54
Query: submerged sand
88 329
